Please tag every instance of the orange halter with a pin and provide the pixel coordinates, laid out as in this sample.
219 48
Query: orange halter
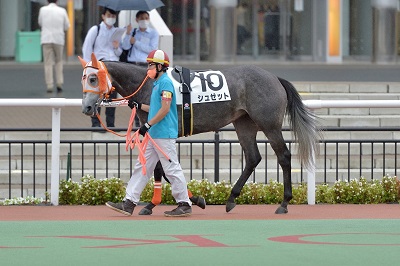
97 78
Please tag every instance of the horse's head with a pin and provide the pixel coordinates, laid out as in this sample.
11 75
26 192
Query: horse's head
96 85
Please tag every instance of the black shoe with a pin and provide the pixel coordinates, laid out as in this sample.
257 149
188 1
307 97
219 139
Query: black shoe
199 201
49 91
182 210
59 89
126 207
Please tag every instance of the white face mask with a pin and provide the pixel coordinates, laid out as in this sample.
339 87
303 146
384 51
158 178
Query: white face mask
144 24
110 21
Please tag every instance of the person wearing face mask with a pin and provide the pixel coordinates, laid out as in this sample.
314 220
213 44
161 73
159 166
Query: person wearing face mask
162 125
98 41
140 41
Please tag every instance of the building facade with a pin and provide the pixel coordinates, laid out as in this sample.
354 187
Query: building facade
237 30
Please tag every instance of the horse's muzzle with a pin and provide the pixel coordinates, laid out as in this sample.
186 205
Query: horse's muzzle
89 110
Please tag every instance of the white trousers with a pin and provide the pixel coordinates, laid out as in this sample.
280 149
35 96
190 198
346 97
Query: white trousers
172 169
53 55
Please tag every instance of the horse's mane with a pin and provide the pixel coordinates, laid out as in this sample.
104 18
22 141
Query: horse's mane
124 69
125 77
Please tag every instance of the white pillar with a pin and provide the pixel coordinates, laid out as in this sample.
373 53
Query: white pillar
55 155
311 181
311 177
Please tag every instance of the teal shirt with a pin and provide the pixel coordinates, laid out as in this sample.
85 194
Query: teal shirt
167 128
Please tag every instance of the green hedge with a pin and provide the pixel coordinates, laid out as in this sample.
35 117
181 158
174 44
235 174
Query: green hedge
91 191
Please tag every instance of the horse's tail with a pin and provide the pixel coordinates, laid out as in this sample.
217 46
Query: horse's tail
303 123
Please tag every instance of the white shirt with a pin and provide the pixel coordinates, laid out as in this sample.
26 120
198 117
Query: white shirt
145 42
54 23
103 47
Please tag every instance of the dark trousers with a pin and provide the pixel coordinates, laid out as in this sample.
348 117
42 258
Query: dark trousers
110 114
137 123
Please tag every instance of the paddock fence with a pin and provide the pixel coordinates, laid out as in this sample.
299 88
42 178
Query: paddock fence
31 166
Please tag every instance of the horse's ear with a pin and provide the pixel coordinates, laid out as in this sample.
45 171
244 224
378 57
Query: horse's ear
83 62
95 63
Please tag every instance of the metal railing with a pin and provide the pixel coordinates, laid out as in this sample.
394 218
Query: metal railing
58 103
25 164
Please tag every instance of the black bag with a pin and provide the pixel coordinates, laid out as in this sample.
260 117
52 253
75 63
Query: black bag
125 53
124 56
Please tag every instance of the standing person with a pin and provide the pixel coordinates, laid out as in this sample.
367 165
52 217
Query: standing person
162 125
243 34
98 41
141 41
54 22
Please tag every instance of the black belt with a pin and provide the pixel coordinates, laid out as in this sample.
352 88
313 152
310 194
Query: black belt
138 63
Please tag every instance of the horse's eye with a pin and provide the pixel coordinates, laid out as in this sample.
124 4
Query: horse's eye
93 81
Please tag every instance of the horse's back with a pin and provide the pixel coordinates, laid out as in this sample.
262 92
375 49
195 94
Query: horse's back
251 75
253 84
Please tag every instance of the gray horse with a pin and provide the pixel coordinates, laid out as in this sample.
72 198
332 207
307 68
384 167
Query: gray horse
259 101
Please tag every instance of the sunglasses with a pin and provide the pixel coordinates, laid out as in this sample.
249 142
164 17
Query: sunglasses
150 65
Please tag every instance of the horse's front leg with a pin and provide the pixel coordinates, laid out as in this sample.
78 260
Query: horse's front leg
246 131
237 188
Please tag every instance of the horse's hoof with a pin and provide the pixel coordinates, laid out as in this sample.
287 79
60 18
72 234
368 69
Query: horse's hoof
199 201
145 211
281 210
230 206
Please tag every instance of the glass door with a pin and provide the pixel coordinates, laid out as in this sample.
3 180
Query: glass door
284 29
272 25
186 19
300 35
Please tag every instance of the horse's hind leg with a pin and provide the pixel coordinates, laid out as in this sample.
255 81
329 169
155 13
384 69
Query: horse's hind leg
158 174
284 159
197 200
246 131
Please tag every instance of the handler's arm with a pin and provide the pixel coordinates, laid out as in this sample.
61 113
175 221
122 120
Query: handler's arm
165 106
145 107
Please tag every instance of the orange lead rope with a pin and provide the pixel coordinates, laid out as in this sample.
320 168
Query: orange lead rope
106 128
124 98
134 140
133 93
129 130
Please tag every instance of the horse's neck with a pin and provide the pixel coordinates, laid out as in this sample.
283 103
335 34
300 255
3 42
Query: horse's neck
126 77
140 94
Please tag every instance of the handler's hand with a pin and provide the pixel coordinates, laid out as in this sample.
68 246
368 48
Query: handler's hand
143 129
132 104
115 44
128 28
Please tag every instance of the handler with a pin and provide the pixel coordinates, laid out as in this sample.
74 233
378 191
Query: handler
162 126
